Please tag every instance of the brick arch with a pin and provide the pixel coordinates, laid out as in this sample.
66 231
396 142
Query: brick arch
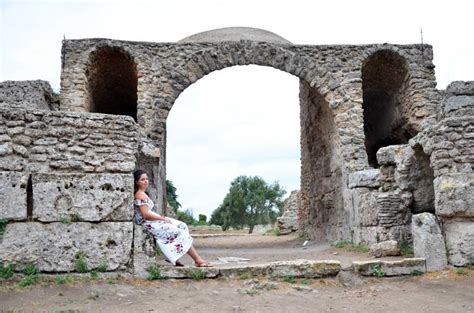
321 213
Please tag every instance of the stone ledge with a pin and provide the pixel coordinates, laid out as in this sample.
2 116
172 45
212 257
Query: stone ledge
366 178
408 266
296 268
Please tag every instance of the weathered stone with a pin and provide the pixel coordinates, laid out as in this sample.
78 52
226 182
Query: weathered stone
460 88
297 268
54 247
28 94
13 200
428 241
454 195
387 155
144 254
86 197
408 266
288 222
187 272
385 248
459 242
458 102
366 178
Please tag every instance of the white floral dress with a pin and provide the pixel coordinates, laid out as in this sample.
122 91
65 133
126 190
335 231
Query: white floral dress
173 239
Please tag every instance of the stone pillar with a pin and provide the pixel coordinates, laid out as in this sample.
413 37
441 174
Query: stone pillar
428 241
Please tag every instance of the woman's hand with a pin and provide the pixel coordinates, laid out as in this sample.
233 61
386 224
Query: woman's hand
166 220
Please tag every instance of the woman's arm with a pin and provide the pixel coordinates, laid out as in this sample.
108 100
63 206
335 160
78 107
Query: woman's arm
152 216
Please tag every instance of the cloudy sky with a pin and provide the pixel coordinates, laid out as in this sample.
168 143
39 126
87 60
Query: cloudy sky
241 120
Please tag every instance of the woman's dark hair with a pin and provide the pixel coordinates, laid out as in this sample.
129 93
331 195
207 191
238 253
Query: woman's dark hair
136 176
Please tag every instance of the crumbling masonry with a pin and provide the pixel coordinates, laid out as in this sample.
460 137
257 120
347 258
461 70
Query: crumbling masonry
379 145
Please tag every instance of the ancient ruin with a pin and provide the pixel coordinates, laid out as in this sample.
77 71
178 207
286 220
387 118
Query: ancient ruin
380 146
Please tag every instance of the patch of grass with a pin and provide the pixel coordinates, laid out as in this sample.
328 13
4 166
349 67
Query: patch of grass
154 273
306 282
158 252
61 280
416 273
80 263
377 271
3 226
31 270
75 218
198 274
102 266
461 272
289 279
6 271
26 281
350 247
94 274
276 231
110 282
244 276
406 248
66 220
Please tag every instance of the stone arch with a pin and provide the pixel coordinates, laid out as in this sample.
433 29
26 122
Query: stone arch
111 82
385 76
322 211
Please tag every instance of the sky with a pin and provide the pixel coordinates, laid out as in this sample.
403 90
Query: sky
240 120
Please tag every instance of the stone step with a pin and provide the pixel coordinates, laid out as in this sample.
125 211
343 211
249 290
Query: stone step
296 268
379 268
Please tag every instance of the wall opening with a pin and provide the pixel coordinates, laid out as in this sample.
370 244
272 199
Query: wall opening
422 177
385 101
29 199
112 82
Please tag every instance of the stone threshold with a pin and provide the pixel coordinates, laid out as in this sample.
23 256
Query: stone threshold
300 269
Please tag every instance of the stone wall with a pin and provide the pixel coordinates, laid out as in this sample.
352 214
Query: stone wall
30 94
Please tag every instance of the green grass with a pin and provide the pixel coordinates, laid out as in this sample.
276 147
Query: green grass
406 248
31 270
94 274
61 280
26 281
3 226
306 282
461 272
377 271
6 271
289 279
244 276
350 247
66 220
198 274
154 273
416 273
80 263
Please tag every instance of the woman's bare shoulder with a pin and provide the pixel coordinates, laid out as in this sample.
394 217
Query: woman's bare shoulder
140 195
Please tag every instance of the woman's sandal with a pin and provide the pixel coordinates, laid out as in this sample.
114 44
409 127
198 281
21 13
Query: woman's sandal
203 264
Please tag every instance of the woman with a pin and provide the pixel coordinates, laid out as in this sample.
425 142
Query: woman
171 235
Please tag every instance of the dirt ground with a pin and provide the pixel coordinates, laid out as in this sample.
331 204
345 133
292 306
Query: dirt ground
444 291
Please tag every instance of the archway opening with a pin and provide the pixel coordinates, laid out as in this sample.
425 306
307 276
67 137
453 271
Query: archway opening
384 84
112 82
422 177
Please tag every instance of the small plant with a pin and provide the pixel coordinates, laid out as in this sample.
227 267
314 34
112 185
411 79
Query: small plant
406 248
342 244
416 273
66 220
75 218
276 231
377 271
6 271
26 281
61 280
3 226
80 263
306 282
198 274
377 238
244 276
94 274
461 272
102 266
110 282
31 270
158 252
359 248
154 273
289 279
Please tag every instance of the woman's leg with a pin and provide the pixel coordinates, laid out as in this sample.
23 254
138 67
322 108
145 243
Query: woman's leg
200 262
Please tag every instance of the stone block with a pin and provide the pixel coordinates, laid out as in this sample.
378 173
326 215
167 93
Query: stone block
454 195
28 94
143 252
458 102
366 178
13 196
85 197
407 266
388 155
459 242
54 247
460 88
365 207
385 248
428 241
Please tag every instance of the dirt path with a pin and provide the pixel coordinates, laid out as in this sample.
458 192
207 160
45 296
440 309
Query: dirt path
446 291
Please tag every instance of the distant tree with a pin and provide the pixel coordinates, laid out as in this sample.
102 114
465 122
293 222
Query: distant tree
172 196
250 201
186 216
202 219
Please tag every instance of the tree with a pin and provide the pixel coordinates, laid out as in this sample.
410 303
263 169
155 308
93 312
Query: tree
172 196
250 201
